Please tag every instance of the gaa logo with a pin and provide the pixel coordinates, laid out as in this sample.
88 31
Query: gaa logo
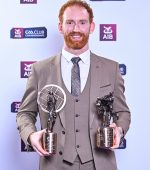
15 107
33 32
28 1
26 67
108 32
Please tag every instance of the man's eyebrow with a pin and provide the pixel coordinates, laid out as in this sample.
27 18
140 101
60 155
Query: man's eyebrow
85 20
78 20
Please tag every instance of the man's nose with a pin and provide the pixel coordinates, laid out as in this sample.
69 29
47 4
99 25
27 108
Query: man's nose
76 27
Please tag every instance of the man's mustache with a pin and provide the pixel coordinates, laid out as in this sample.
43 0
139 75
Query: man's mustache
75 33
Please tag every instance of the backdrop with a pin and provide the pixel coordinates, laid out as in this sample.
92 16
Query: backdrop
28 33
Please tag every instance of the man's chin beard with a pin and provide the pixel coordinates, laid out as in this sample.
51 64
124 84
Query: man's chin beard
76 45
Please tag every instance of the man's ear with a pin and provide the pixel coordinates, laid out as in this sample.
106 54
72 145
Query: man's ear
92 27
60 27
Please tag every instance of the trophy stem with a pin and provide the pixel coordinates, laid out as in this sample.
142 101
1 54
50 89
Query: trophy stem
50 125
50 138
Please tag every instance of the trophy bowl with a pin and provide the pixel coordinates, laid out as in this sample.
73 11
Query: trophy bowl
105 137
50 142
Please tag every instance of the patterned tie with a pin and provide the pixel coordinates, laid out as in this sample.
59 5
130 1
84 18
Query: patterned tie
75 77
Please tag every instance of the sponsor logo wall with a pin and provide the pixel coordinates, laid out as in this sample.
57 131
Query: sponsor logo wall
30 34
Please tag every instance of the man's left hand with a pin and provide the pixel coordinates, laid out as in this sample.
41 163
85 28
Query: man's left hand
118 131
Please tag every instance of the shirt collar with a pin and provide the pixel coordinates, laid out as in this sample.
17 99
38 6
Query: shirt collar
85 57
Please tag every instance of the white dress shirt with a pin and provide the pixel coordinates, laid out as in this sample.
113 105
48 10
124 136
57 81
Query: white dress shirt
66 66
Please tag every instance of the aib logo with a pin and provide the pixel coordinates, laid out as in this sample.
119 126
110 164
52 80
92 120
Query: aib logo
17 33
26 68
34 32
123 69
28 1
108 32
15 107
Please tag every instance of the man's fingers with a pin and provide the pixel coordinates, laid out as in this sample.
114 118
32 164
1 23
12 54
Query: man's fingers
36 141
116 137
37 151
113 125
40 150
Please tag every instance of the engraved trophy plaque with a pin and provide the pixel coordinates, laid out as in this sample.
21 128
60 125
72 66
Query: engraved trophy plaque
51 99
105 133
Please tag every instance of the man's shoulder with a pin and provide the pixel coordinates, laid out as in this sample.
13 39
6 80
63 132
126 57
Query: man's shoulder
103 60
46 62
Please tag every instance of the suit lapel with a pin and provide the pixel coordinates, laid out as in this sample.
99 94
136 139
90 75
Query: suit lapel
97 79
56 69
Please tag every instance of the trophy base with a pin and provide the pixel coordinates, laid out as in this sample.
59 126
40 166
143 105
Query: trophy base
50 142
105 137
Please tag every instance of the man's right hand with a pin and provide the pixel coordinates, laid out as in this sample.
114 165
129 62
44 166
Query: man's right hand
35 139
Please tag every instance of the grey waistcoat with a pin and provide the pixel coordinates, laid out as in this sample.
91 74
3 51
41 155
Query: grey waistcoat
77 139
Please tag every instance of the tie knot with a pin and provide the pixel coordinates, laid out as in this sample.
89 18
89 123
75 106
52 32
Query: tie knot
75 60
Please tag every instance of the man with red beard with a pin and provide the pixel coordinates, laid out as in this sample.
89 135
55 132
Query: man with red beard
77 123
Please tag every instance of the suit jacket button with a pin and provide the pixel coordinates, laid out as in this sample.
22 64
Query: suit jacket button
63 132
77 115
77 100
60 153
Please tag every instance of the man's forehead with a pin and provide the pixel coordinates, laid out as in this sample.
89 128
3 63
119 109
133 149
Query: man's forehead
75 11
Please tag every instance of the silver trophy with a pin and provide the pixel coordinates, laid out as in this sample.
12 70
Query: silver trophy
105 133
51 99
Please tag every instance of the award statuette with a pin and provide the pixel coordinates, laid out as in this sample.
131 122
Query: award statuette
51 99
105 133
